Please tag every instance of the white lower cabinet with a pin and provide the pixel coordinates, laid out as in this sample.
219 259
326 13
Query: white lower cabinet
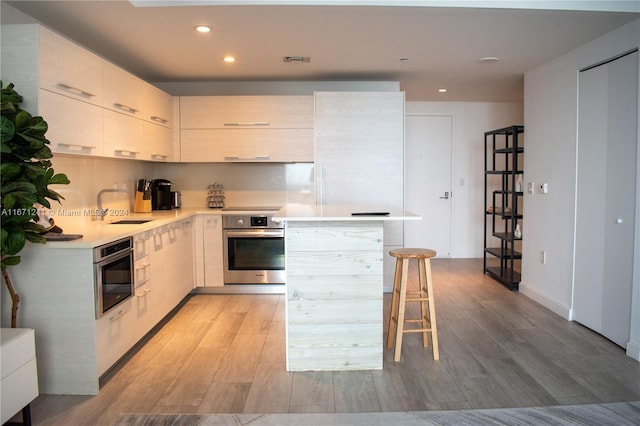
115 335
163 274
73 348
172 262
208 251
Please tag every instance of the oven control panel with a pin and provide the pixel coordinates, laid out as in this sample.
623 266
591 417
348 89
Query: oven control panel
250 221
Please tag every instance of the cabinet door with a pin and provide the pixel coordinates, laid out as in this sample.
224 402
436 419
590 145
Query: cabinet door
122 135
212 251
217 112
247 145
157 106
69 69
115 335
122 91
157 142
74 127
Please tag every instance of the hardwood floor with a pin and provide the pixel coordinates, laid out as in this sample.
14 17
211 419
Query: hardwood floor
226 354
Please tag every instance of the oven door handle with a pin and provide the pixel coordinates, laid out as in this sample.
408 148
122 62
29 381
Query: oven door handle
255 233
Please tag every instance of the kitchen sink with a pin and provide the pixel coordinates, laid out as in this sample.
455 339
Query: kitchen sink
130 221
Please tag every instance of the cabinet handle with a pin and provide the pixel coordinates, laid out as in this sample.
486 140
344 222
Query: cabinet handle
126 152
75 89
120 314
144 293
70 145
125 107
158 119
162 157
252 124
246 158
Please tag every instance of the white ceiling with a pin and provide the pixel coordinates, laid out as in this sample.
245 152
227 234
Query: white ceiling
345 42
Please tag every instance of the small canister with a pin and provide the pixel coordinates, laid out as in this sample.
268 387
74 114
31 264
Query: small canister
177 199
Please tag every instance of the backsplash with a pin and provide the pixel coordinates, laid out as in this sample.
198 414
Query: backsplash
88 176
267 184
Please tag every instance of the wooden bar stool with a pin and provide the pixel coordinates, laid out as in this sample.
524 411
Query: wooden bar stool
424 296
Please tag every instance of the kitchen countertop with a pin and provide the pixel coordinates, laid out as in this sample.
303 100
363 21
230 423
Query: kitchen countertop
96 233
304 213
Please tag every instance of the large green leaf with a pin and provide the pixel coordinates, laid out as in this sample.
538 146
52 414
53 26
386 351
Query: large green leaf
9 170
7 129
10 261
18 186
59 179
14 243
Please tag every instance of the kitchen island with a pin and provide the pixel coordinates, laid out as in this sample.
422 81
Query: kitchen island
334 263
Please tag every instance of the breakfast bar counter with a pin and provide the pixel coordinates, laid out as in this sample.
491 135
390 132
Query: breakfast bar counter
334 263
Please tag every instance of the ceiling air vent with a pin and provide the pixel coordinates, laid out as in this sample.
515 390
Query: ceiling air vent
300 59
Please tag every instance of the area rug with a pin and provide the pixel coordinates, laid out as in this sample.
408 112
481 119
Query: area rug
618 414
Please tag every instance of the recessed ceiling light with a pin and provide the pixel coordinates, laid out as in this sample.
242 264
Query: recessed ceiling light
488 59
442 90
229 59
203 28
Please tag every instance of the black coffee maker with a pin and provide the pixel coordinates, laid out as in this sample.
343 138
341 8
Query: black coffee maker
161 195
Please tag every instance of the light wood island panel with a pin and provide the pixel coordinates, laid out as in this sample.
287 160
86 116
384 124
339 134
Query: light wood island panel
334 295
334 261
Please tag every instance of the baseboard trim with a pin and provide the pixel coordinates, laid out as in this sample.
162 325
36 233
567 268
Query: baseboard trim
553 305
633 350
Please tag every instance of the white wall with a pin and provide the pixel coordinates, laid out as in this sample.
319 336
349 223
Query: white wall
470 121
550 129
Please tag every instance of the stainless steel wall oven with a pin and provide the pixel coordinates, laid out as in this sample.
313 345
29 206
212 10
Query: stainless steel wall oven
113 268
253 249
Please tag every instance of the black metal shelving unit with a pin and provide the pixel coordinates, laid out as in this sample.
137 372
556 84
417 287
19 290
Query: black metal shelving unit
503 204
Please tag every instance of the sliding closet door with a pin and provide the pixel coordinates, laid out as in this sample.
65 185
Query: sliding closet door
605 214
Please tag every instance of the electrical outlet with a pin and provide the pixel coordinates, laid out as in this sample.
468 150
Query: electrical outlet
543 257
543 188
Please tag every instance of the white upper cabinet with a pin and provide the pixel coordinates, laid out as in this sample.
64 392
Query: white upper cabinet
157 106
122 136
122 91
74 127
68 69
157 142
228 112
92 106
246 128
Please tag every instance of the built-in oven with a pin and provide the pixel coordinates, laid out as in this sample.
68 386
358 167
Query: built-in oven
253 249
113 266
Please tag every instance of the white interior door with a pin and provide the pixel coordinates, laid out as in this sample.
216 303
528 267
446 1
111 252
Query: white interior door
428 140
605 205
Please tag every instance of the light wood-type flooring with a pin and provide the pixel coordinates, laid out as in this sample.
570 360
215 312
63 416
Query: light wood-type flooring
226 354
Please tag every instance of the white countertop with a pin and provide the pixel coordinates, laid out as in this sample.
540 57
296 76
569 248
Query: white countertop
96 233
303 213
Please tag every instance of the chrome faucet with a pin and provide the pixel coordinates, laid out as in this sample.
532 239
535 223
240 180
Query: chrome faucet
100 213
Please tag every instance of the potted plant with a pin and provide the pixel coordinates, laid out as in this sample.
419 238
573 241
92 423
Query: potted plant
25 174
